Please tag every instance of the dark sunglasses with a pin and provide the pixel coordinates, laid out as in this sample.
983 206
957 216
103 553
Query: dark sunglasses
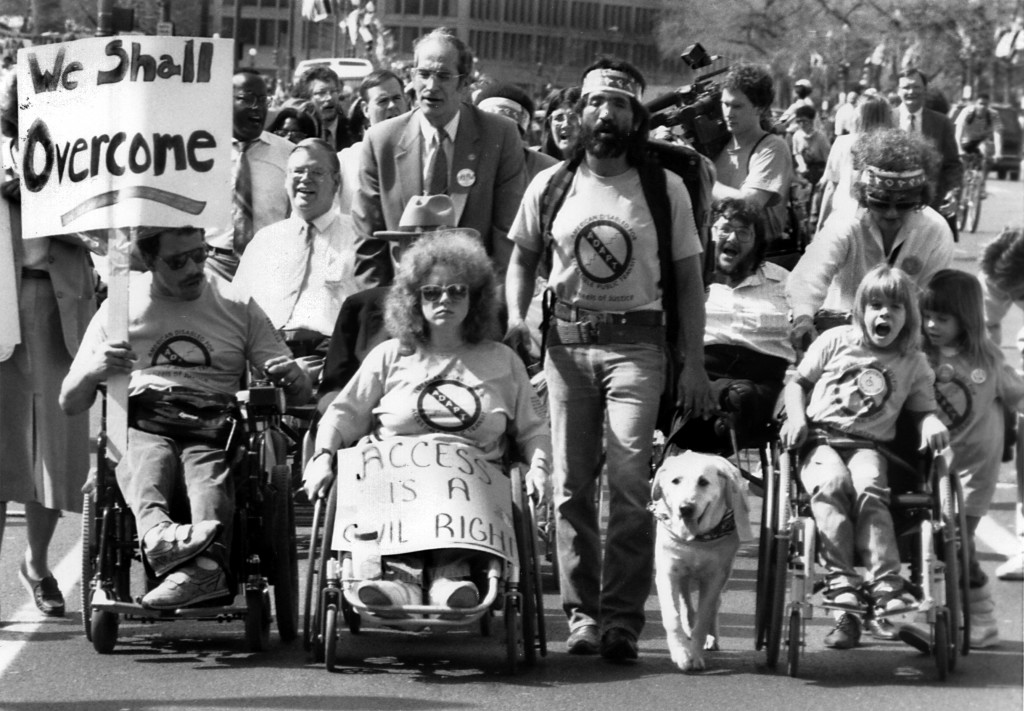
178 261
877 204
455 292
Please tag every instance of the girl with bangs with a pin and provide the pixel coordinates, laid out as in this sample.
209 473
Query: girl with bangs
852 384
973 384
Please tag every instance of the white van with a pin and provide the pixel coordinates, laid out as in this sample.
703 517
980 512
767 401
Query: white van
350 70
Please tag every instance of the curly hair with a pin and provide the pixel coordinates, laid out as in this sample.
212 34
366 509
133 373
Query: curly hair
739 210
560 99
1002 260
891 284
754 82
307 124
894 151
467 261
304 87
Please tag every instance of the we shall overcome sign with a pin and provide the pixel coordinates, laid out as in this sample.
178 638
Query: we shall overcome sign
422 493
119 132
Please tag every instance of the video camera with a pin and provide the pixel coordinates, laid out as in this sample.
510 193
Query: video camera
696 107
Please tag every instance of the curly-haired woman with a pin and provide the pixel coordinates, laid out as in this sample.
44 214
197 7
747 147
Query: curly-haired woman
892 224
443 309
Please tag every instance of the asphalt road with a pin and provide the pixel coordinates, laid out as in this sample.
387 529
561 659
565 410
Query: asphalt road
48 664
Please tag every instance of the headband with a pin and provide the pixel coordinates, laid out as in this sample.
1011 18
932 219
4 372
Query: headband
506 107
612 81
878 179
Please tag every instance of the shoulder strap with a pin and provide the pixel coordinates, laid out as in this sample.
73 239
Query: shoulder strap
554 195
754 149
655 189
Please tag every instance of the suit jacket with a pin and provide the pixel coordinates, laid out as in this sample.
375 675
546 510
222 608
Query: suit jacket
939 130
359 328
487 181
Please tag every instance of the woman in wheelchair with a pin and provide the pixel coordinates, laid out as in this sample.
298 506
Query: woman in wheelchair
442 376
973 386
859 378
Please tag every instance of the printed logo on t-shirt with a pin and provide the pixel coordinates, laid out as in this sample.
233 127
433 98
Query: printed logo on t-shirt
448 406
182 350
863 392
953 396
604 250
912 265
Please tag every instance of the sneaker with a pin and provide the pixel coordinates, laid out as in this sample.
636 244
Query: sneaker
45 592
168 545
844 598
453 593
619 645
888 600
190 585
1012 569
388 593
846 634
881 628
984 636
583 640
916 637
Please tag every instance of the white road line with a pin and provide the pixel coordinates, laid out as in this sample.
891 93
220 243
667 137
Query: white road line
68 574
996 537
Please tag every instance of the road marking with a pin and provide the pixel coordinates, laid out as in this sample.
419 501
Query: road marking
68 574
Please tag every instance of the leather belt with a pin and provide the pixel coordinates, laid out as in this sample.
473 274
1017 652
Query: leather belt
27 273
222 250
574 314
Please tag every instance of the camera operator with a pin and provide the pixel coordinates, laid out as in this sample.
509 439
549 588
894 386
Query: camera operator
755 164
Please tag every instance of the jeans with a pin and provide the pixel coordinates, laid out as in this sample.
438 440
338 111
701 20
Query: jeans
157 473
586 383
850 502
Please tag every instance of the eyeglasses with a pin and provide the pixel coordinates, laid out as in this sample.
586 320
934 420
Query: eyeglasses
564 117
742 234
433 292
252 101
314 174
325 94
178 261
884 205
441 75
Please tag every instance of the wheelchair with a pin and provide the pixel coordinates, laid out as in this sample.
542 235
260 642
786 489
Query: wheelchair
927 504
509 584
263 558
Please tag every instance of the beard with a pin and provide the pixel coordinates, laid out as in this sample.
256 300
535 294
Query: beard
604 140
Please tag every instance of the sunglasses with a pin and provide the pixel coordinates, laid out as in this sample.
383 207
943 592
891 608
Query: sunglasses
877 204
433 292
178 261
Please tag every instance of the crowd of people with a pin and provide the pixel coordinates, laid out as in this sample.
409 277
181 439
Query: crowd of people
404 250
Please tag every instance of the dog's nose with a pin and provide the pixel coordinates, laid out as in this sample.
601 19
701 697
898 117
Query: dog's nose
686 510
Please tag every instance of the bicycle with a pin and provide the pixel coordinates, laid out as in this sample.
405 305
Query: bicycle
969 210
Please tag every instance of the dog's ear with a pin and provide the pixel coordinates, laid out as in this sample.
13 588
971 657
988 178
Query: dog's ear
735 499
656 486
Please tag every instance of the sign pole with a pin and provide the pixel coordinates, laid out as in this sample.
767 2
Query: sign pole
120 242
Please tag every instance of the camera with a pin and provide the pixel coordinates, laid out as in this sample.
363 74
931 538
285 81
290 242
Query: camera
696 107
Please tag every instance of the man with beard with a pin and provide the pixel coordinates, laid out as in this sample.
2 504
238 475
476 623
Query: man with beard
258 158
187 337
755 165
746 340
626 277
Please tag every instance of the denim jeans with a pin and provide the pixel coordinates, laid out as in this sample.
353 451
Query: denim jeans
157 472
589 385
850 501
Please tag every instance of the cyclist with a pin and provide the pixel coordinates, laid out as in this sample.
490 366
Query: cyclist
974 127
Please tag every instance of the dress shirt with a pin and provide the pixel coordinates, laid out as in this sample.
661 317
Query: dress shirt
905 121
754 314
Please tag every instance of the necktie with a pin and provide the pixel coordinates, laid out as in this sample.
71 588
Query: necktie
241 209
913 123
437 172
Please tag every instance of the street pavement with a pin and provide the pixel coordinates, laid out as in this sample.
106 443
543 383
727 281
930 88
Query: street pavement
48 664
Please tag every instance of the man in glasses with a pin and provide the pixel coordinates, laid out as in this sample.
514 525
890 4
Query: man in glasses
444 146
892 224
258 160
187 336
322 86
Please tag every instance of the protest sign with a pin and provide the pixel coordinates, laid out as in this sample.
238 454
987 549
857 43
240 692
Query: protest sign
421 493
120 132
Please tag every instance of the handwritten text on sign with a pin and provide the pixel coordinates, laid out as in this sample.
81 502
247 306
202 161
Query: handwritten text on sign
421 494
123 132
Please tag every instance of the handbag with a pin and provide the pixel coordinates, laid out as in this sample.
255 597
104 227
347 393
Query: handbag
183 414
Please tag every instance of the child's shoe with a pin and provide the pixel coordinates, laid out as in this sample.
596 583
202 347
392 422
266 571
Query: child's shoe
891 599
846 634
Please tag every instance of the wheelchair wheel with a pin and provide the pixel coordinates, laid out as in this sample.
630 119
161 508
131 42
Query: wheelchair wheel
941 646
529 580
766 548
312 579
317 616
104 631
330 646
793 642
257 620
779 564
538 584
88 565
513 632
285 572
950 545
964 561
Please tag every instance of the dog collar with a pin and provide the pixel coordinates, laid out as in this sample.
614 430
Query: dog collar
725 527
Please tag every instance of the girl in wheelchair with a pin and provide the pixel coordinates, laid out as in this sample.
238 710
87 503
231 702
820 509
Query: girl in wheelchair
973 385
859 378
442 376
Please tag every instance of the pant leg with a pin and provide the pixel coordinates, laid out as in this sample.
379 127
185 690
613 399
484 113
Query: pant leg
633 378
826 478
875 533
576 408
211 494
149 474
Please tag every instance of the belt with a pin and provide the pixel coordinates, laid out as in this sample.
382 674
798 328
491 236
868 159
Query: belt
222 250
27 273
574 314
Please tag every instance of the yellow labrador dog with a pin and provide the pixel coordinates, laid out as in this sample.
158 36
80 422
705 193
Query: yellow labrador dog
701 517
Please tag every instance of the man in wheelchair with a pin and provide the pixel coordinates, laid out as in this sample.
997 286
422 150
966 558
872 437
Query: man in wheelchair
190 343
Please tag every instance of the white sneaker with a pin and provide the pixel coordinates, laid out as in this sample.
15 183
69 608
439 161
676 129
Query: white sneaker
1012 569
454 593
983 636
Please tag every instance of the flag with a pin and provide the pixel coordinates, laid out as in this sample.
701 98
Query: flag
316 10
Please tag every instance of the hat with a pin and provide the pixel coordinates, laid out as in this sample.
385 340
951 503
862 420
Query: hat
507 100
804 82
425 213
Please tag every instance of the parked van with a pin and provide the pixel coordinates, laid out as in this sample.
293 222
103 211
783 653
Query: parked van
350 70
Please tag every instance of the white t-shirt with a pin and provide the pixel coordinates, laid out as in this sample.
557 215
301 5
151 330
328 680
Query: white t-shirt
605 250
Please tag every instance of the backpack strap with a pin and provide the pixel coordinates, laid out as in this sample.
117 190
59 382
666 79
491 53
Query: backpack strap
552 198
